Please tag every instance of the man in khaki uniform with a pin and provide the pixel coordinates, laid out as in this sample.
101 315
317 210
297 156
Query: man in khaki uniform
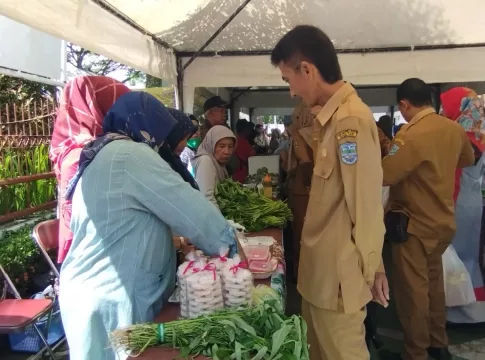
420 169
343 232
300 170
384 141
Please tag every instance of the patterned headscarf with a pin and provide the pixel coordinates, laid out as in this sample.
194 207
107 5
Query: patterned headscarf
470 114
84 102
451 101
137 116
183 129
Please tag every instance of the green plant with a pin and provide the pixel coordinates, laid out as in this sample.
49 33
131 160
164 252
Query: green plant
20 256
250 209
21 162
261 332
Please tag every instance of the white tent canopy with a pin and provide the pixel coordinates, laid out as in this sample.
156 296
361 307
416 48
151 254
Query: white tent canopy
380 41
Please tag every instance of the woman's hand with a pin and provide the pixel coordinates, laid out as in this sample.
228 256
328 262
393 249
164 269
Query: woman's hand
183 244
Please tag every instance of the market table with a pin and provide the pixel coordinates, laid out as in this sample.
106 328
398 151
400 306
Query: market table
172 311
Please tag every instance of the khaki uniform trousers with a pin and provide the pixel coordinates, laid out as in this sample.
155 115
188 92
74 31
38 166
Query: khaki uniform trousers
419 294
334 335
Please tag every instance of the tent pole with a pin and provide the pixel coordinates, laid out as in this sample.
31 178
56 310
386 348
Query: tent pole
180 83
223 26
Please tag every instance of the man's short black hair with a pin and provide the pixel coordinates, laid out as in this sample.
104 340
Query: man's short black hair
242 126
308 43
416 91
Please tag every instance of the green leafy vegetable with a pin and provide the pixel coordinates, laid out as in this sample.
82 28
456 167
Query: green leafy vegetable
250 209
262 333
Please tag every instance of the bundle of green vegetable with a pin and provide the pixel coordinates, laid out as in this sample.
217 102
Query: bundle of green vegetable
250 209
257 333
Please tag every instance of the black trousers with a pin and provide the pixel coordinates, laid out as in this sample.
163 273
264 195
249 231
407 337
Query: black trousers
370 324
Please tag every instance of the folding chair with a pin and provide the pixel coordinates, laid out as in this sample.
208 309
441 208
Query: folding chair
17 314
46 235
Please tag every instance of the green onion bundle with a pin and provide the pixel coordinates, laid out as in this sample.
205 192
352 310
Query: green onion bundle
250 209
258 333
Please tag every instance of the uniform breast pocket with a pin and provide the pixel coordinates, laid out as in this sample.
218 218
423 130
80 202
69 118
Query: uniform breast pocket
321 175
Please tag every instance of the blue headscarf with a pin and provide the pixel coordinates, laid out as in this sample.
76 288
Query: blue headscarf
184 128
135 115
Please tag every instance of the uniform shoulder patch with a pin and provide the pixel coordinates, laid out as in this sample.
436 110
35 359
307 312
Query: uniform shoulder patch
346 133
348 153
394 149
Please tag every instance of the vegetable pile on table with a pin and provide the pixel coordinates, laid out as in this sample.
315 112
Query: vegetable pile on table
258 333
250 209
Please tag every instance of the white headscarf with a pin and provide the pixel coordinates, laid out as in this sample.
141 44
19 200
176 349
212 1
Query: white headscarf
207 148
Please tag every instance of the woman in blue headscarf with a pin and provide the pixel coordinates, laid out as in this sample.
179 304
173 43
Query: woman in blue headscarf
126 199
176 142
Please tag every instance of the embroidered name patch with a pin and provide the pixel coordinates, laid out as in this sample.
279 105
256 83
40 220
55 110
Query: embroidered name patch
348 153
393 150
346 133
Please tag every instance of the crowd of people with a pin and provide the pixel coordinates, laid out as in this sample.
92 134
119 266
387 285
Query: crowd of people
137 178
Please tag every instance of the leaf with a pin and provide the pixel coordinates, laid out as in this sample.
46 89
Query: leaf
229 323
194 343
243 325
231 333
298 344
263 351
279 338
238 351
215 349
306 347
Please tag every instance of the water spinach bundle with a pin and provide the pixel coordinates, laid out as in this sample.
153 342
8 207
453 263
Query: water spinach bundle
250 209
254 333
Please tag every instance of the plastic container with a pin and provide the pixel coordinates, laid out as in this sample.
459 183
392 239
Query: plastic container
260 266
257 253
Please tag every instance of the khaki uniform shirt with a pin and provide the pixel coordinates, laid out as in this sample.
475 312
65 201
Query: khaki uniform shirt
300 151
344 228
421 167
384 141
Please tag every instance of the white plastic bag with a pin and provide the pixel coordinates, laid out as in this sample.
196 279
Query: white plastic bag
458 284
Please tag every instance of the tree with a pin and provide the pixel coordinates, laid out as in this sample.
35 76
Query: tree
13 90
94 64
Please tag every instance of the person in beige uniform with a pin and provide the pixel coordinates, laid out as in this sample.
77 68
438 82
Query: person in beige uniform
420 169
300 170
343 232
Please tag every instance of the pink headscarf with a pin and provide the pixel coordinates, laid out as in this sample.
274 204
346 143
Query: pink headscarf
84 103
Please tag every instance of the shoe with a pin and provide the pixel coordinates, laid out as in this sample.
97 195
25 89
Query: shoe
440 353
